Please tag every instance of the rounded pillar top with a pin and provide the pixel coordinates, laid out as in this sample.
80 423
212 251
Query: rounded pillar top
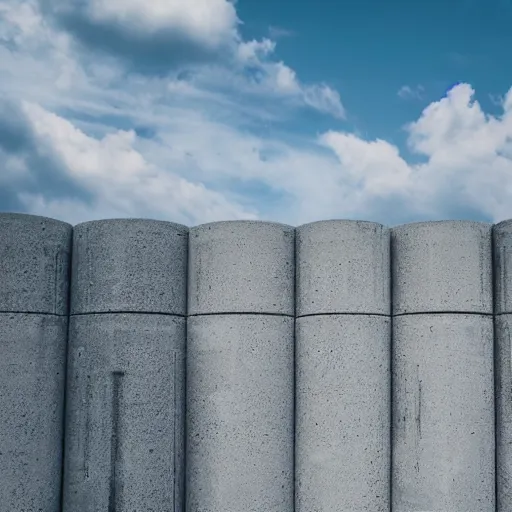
502 242
343 266
34 264
241 267
129 265
442 266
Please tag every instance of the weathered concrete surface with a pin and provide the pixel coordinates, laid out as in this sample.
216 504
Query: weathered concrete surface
129 265
342 442
240 394
32 378
502 242
34 283
34 264
503 328
443 413
125 413
343 266
442 266
241 267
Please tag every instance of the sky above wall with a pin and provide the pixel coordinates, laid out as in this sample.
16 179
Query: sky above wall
196 111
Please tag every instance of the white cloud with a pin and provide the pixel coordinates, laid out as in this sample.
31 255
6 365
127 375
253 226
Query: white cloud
279 32
469 158
408 92
214 25
119 176
251 52
211 22
214 139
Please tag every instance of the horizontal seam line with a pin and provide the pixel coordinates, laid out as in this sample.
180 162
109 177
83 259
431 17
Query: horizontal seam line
344 314
33 313
128 313
241 313
443 313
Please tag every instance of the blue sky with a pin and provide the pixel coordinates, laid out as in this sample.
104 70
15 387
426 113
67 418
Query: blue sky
204 110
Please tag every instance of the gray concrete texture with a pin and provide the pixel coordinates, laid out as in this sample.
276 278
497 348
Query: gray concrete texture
34 264
443 413
34 282
125 413
343 340
32 379
240 367
443 434
343 267
129 265
502 245
342 441
241 267
442 267
240 413
285 383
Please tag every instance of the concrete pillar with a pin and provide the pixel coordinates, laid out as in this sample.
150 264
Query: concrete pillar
240 367
343 338
34 277
124 448
502 241
443 441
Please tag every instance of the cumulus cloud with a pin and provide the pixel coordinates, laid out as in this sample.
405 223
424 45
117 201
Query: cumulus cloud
208 21
468 167
92 138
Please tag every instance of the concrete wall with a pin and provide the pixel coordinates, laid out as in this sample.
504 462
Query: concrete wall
252 366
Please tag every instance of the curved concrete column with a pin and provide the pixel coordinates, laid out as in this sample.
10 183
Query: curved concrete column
34 276
126 367
443 389
343 336
240 371
502 241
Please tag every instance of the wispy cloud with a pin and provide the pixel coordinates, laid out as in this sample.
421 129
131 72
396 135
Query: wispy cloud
279 32
408 92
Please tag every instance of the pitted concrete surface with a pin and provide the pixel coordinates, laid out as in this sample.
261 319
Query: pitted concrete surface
240 376
502 241
129 265
125 413
32 379
133 283
503 378
343 267
443 266
34 264
443 413
342 442
241 267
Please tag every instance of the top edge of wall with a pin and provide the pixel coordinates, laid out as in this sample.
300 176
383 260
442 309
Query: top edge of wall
129 265
34 264
338 222
29 216
240 221
454 222
343 267
241 267
442 266
132 220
